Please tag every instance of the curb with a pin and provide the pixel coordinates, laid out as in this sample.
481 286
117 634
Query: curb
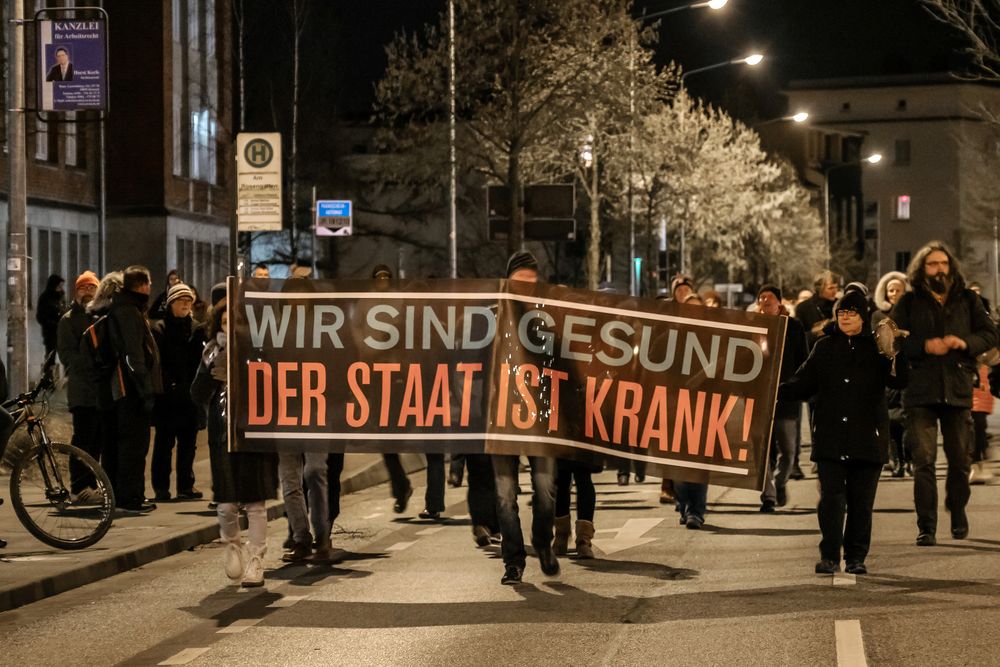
12 597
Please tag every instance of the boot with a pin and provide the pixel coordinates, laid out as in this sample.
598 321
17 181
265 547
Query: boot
253 576
234 559
584 534
563 532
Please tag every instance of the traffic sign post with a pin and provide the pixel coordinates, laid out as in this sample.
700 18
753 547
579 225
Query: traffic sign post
258 182
334 217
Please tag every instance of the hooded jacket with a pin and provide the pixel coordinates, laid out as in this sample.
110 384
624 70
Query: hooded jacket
847 376
138 372
81 391
946 379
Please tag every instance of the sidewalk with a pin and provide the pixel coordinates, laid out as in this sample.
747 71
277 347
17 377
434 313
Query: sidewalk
31 570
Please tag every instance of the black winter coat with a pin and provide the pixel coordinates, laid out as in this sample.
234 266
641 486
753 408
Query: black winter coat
82 389
795 353
811 312
848 376
180 343
946 379
138 370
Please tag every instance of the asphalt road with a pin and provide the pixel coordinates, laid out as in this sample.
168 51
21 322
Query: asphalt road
739 592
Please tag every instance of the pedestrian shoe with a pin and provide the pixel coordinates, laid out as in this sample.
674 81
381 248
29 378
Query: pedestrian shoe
666 497
694 522
326 555
960 532
297 554
584 538
548 561
898 471
427 514
622 480
767 507
564 530
980 474
213 505
926 540
781 495
234 559
481 535
683 520
3 543
400 505
959 524
87 496
512 575
136 508
827 567
856 568
454 481
796 473
190 494
162 497
253 576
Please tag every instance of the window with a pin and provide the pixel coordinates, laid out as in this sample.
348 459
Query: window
902 207
901 105
845 107
902 152
195 90
73 264
902 261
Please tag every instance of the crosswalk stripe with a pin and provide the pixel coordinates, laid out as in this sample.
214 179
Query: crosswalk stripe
239 625
287 601
185 656
399 546
850 644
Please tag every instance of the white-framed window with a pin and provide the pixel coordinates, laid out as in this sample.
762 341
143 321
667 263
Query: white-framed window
902 152
195 89
72 140
902 207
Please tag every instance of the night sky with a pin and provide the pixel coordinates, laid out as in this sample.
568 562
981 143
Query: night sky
803 39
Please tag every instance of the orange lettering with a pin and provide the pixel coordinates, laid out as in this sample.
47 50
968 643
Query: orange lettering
467 370
362 411
630 412
256 417
593 407
717 426
285 392
525 422
685 419
413 397
557 377
439 404
656 420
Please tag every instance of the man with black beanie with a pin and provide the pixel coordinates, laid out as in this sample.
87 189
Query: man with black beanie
522 266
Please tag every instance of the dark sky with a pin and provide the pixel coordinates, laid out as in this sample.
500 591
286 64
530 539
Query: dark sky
802 39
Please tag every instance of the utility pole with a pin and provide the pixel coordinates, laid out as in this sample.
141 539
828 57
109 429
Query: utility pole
996 261
17 202
453 179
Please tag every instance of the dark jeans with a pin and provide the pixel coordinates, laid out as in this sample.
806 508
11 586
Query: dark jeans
851 484
86 436
921 438
505 469
398 481
434 495
163 447
482 496
899 453
692 499
586 496
133 445
982 440
625 466
780 460
334 468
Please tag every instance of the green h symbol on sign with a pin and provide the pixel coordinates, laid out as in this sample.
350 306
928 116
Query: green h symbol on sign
258 153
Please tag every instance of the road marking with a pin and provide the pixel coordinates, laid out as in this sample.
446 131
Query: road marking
373 516
850 644
239 625
464 517
843 579
185 656
628 536
430 531
287 601
399 546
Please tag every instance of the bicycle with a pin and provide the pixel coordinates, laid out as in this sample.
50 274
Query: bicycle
58 491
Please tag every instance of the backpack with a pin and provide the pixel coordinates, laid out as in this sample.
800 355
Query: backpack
96 344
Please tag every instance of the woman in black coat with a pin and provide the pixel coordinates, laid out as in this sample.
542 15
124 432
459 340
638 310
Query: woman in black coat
238 478
848 376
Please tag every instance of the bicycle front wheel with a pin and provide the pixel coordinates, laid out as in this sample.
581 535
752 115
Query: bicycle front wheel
62 496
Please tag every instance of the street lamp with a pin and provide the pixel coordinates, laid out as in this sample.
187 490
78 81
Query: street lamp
710 4
751 60
874 158
799 118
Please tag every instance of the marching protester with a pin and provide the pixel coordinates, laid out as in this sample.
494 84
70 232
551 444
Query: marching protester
261 271
783 432
581 473
134 386
847 375
817 311
159 307
180 343
81 390
982 408
888 292
522 266
50 308
948 327
239 479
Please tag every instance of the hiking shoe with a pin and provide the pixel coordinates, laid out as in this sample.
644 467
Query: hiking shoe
297 554
512 575
190 494
856 568
400 505
827 567
926 540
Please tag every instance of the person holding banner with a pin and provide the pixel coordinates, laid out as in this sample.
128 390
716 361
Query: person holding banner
246 479
522 266
847 375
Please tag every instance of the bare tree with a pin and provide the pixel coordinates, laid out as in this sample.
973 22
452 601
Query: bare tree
978 21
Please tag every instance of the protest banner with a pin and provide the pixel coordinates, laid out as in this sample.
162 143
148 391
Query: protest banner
502 367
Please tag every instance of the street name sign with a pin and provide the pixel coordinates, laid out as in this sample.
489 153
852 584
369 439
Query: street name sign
334 217
258 182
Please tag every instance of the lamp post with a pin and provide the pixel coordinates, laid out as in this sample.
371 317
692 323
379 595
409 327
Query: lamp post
874 158
797 118
752 60
709 4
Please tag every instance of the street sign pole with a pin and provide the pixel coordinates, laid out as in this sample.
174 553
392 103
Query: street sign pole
17 265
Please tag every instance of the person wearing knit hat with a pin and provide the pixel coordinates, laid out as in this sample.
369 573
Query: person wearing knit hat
382 272
175 415
680 287
522 266
218 293
848 376
82 388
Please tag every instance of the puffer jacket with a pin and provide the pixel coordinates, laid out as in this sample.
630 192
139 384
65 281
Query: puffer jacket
945 379
847 376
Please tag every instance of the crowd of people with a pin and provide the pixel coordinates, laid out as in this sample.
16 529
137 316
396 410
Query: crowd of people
880 371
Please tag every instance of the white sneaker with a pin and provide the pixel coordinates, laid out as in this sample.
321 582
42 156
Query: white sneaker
980 474
253 576
235 560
